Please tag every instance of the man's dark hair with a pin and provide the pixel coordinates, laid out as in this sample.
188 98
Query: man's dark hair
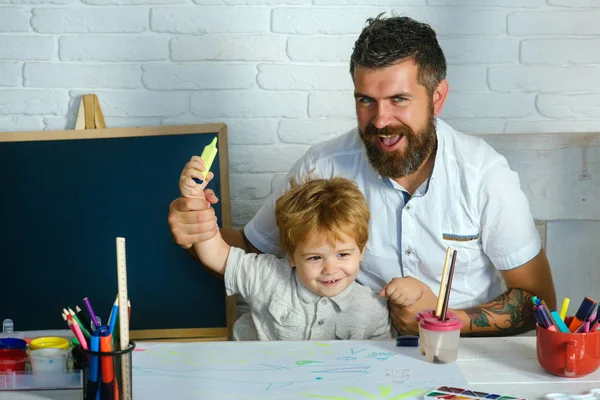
388 41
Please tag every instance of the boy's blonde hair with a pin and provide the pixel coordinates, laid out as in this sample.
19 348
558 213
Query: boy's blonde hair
328 206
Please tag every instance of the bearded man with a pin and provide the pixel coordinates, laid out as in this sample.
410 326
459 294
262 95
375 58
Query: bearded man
428 187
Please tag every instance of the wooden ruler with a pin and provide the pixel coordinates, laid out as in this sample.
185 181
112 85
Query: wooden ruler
123 319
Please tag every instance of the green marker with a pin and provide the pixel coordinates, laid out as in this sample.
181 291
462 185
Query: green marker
208 156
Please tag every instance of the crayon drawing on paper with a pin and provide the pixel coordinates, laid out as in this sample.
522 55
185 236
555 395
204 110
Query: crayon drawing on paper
334 370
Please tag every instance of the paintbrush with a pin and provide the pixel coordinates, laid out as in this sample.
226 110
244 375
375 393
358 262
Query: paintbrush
443 283
442 316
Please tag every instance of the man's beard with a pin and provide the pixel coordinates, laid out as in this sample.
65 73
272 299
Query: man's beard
394 164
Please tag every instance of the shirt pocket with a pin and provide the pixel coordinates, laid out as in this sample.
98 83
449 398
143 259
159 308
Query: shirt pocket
468 246
283 323
347 332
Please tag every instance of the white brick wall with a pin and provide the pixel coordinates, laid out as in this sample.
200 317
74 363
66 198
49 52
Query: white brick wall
276 71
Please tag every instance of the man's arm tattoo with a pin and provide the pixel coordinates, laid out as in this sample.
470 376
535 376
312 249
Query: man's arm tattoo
510 313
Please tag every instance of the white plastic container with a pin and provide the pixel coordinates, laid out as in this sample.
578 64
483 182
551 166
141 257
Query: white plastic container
427 314
440 339
48 366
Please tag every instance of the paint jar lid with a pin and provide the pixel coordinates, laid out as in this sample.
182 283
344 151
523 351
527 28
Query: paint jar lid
13 343
434 324
431 314
49 342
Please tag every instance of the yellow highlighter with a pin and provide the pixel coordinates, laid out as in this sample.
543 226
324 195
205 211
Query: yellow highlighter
564 308
208 156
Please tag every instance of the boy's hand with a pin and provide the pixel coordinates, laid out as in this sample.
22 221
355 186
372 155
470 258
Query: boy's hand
190 188
402 291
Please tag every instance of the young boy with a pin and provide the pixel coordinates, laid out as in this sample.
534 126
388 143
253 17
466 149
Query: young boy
324 225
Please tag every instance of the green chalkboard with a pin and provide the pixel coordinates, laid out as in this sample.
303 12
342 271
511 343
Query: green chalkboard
67 195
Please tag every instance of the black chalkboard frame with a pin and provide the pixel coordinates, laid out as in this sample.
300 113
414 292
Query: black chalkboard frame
220 129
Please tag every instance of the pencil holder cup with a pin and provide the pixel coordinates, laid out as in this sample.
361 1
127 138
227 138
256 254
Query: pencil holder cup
427 314
106 372
570 355
441 339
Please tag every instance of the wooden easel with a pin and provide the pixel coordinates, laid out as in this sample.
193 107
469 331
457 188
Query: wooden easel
89 115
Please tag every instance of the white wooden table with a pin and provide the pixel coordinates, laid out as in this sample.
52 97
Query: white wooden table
499 365
510 366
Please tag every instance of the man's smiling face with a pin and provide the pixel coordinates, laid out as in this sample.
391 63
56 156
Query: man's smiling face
395 118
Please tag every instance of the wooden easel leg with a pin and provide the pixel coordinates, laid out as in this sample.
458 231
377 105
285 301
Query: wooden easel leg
80 121
90 114
88 105
98 116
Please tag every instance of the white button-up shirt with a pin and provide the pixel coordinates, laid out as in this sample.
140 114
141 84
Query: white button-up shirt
472 203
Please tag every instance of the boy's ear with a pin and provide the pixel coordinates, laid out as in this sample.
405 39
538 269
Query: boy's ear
362 253
291 261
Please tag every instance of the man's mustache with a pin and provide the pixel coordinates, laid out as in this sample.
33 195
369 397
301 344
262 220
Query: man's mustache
372 131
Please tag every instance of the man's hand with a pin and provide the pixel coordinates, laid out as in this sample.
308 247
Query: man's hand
192 221
404 318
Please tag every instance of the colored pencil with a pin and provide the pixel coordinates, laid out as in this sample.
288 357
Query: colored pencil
85 320
78 321
90 310
113 316
76 331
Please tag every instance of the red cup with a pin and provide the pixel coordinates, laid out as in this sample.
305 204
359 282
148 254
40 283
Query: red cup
570 355
12 360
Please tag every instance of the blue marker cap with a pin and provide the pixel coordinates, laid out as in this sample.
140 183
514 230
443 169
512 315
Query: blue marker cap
407 341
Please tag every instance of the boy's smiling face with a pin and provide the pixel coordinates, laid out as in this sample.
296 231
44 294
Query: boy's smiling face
325 268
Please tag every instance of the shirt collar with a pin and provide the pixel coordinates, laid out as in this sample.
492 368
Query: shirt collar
442 130
342 300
